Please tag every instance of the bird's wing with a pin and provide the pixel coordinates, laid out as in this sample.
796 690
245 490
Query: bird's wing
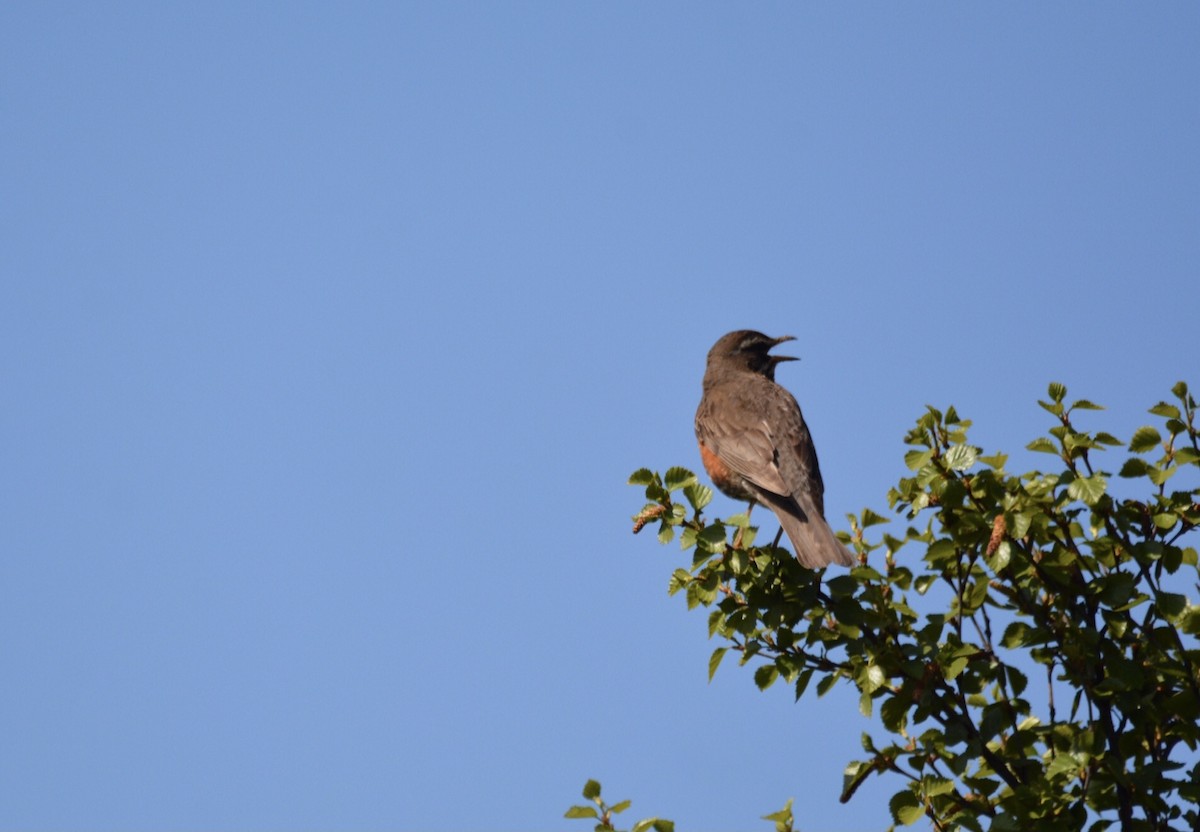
795 455
748 449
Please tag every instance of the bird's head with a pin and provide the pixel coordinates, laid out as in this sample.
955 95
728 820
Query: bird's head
750 350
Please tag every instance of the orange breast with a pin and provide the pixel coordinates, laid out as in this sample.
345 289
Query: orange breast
723 477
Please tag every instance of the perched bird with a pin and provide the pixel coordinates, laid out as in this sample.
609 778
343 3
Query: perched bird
756 447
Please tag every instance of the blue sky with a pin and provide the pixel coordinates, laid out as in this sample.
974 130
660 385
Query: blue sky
331 333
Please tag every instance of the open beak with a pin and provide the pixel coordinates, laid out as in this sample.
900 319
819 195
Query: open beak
777 358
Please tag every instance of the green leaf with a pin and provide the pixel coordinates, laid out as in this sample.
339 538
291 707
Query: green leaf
1115 589
1165 410
657 824
737 561
996 461
1056 391
765 676
581 812
950 672
916 460
894 713
802 681
935 786
687 538
854 775
1189 622
743 620
713 537
961 457
742 521
1020 634
842 586
703 590
1165 521
642 476
1017 679
1084 404
1145 439
872 678
905 808
1134 467
995 717
1000 558
714 661
1183 456
677 477
1172 558
870 518
1089 489
1042 445
1019 524
591 789
618 808
1160 475
698 495
783 818
1171 604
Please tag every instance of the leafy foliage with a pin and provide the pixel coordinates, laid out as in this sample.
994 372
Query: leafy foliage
1051 679
602 813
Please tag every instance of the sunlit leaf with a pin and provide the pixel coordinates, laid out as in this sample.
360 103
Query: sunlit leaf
677 478
1144 439
870 518
714 661
961 457
1043 445
698 496
642 476
916 460
1088 489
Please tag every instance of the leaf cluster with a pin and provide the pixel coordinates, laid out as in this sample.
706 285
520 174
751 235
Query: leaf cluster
997 579
603 813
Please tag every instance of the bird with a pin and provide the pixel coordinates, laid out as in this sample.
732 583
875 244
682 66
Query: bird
756 447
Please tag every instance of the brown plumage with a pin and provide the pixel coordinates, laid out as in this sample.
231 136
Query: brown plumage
756 447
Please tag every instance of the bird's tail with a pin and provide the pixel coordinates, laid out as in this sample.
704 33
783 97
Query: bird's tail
814 543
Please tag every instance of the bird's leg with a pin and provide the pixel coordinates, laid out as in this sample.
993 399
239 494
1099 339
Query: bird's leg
778 535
